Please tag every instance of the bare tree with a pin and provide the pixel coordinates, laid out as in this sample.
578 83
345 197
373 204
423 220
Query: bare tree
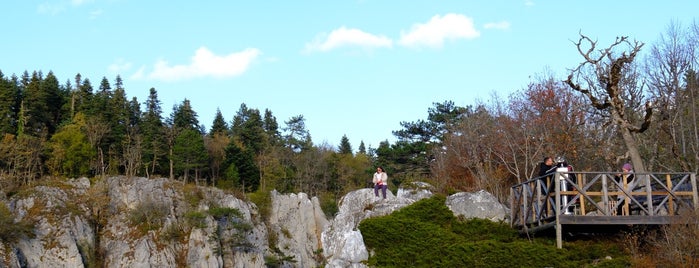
666 67
610 83
132 153
95 130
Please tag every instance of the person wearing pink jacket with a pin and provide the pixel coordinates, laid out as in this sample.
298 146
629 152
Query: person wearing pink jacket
380 181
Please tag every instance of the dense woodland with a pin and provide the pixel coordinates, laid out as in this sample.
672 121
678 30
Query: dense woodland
626 101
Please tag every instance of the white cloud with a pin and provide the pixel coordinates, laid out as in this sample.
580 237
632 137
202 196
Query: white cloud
502 25
438 29
206 64
139 74
119 66
529 3
347 37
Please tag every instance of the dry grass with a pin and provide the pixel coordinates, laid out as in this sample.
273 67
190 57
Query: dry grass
675 245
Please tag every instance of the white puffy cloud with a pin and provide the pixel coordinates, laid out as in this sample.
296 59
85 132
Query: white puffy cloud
206 64
502 25
347 37
438 29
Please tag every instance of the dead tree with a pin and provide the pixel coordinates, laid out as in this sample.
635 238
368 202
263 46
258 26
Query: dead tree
603 86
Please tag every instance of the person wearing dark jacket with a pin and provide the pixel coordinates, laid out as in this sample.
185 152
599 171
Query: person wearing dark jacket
546 169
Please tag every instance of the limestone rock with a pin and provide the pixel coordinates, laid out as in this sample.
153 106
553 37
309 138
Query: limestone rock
480 204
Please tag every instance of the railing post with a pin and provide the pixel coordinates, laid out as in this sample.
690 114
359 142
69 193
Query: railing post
649 195
556 210
512 205
695 195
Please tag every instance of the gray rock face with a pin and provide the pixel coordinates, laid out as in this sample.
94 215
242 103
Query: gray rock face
343 244
59 232
302 239
139 222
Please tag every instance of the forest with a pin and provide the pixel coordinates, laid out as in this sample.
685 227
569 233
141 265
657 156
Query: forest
626 102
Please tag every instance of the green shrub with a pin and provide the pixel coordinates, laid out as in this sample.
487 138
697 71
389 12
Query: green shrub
196 219
426 234
328 204
263 201
148 215
224 213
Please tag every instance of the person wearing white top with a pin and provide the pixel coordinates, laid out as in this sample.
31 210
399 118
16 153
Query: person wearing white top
380 181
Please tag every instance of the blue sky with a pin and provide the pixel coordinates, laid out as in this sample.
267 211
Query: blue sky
355 68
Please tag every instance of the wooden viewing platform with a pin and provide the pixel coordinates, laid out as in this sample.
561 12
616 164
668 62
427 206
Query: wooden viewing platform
597 198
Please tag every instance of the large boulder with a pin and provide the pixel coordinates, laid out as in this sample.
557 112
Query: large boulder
480 204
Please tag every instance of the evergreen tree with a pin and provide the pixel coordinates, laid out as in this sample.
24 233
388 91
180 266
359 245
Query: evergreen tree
119 122
9 104
251 133
82 96
243 161
36 107
271 127
297 137
362 148
152 127
219 125
189 154
54 101
184 117
345 147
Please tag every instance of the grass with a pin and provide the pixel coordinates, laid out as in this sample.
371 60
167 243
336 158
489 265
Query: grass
427 234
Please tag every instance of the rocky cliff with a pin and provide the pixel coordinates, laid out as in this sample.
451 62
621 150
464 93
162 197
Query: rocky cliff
139 222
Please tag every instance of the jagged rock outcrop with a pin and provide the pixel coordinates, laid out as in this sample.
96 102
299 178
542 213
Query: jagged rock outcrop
343 244
143 222
302 239
60 235
140 222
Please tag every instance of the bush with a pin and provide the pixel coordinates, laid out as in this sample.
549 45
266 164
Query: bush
426 234
148 215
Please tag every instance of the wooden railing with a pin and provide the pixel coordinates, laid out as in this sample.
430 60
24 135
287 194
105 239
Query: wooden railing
596 194
599 198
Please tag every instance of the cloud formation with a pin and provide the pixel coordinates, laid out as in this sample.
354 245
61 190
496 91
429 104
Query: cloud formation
347 37
437 30
206 64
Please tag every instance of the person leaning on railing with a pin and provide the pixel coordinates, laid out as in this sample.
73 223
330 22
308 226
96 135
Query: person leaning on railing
626 170
546 170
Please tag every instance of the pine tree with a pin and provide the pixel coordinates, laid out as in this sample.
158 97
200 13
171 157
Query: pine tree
219 125
9 104
271 127
345 147
362 148
189 154
152 127
297 138
184 117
